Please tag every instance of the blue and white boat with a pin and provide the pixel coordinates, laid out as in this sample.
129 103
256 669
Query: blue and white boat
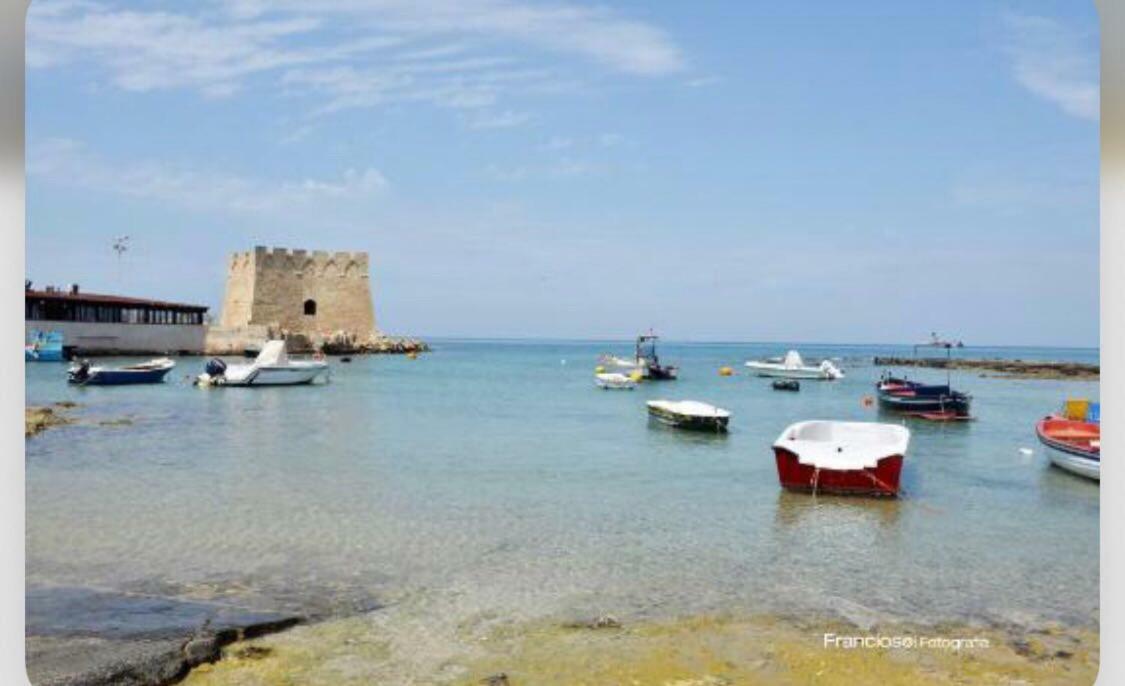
44 346
152 371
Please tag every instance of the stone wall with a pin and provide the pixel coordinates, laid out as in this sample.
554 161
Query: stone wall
311 293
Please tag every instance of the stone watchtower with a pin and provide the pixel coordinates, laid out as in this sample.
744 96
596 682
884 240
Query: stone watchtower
314 294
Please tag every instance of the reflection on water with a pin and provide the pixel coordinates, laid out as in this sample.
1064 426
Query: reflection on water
487 478
835 511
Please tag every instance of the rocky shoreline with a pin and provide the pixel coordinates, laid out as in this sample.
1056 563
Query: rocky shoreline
383 345
1012 369
89 637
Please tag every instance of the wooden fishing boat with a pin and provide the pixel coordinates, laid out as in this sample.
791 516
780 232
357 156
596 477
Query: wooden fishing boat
645 361
1073 439
911 397
649 361
689 414
855 458
149 372
936 402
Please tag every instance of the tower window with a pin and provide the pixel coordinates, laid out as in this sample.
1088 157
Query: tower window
310 307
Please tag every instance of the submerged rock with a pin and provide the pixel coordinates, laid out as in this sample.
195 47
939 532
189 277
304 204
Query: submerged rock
37 419
84 637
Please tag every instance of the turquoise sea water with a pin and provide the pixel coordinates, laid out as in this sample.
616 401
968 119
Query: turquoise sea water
491 478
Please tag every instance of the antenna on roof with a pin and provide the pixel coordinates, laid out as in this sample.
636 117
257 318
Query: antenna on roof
120 245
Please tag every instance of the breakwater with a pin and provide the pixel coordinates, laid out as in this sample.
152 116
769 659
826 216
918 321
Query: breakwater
1016 369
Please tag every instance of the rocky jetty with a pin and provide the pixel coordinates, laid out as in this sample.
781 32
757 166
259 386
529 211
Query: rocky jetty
1014 369
343 343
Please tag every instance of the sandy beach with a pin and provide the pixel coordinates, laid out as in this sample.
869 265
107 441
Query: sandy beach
694 651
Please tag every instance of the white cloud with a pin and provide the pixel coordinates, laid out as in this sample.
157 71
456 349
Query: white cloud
702 81
499 120
1055 62
610 140
557 143
67 162
1012 192
357 53
596 33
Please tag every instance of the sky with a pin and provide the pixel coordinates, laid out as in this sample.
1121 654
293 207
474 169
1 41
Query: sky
716 170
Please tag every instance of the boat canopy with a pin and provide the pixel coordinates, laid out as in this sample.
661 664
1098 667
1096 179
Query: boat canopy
793 360
273 354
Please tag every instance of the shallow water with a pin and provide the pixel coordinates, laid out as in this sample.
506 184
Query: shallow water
492 479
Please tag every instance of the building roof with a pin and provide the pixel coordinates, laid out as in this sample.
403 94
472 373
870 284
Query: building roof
99 299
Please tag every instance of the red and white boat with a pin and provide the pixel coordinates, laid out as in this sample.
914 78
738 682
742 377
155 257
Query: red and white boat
1074 445
860 458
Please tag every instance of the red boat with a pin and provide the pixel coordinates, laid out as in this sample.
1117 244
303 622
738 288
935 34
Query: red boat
855 458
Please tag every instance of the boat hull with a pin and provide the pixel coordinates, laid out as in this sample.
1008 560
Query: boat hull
31 354
959 407
914 398
1076 459
116 377
778 372
614 382
882 480
689 422
290 375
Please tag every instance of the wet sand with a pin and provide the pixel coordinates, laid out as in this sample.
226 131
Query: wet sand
696 651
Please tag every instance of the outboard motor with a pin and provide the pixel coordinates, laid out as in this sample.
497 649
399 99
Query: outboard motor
215 367
80 373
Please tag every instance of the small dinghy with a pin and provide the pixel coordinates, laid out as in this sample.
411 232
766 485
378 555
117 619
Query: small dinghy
152 371
855 458
614 381
1074 439
689 414
793 367
272 367
786 385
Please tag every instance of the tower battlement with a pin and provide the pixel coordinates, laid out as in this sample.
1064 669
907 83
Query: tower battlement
314 293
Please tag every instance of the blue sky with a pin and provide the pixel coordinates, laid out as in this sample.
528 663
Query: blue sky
717 170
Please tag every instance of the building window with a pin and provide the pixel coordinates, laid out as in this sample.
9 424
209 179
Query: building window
310 307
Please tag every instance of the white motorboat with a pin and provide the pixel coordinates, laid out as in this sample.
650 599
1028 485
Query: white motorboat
793 367
689 414
615 381
272 367
619 362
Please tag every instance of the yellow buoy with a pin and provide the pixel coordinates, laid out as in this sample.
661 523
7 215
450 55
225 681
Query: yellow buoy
636 375
599 369
725 371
